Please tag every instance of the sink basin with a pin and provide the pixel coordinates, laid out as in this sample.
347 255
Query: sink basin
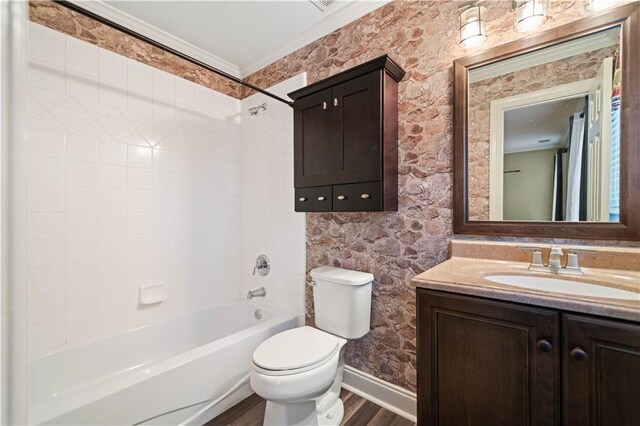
556 285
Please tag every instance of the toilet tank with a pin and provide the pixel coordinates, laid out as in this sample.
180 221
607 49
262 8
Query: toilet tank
342 301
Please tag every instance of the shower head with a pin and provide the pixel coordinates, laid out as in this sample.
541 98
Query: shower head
254 110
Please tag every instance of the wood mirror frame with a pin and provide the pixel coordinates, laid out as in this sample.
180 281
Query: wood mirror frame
628 18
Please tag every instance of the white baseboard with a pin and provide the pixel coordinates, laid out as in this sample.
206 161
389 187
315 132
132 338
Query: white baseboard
387 395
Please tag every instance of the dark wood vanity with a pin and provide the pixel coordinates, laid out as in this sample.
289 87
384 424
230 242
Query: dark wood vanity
346 140
489 362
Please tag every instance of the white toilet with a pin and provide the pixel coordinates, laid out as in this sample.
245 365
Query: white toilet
299 371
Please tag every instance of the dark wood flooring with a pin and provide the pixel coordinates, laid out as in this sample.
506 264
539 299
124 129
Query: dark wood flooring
357 412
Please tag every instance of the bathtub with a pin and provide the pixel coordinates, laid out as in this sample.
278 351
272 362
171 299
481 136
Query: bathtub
164 373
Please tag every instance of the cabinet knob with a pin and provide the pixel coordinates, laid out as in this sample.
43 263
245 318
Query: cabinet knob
365 196
302 199
578 354
544 345
324 105
341 197
321 198
335 101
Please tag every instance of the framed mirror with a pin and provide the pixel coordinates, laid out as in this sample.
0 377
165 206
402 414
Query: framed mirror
546 133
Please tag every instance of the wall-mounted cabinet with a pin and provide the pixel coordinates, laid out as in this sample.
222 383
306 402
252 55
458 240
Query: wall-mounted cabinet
346 140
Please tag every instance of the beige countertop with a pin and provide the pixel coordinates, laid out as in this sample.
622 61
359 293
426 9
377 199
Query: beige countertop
465 275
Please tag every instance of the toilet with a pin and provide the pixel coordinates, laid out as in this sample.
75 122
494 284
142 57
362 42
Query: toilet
299 371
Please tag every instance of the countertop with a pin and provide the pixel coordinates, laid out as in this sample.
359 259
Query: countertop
465 275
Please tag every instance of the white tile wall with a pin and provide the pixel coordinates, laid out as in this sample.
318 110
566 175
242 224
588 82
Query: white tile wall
269 224
133 180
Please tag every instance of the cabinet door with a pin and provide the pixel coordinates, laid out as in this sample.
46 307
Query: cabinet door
357 130
314 160
483 362
601 372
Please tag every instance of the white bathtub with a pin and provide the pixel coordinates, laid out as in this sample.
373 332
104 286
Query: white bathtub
130 377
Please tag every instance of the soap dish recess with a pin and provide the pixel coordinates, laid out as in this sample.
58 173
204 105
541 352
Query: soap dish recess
149 295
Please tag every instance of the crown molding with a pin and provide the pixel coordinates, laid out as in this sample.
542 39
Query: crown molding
135 24
542 56
331 22
326 25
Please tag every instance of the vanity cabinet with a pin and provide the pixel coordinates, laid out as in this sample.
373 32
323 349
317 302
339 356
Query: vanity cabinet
601 371
486 362
346 139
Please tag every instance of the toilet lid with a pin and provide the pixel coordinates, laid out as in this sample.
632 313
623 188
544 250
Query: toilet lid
295 348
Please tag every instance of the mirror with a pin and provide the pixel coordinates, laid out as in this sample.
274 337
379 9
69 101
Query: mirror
544 139
546 133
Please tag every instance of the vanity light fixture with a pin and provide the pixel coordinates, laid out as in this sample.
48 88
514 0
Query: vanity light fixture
600 4
530 14
472 29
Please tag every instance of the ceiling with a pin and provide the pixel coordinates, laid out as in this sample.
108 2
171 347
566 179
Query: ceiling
239 37
525 127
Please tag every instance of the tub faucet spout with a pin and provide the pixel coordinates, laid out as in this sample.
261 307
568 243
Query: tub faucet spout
259 292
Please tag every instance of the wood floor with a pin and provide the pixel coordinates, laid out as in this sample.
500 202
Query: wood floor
357 412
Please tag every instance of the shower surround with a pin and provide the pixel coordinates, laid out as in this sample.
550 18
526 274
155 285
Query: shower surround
133 181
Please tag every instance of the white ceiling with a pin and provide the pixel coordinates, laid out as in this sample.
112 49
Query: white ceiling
524 127
239 37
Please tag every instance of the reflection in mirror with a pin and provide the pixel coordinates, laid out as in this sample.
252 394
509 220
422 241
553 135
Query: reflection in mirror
544 134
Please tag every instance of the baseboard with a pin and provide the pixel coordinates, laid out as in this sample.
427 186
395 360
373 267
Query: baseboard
387 395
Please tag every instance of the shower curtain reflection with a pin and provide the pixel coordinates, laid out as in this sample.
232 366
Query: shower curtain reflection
576 174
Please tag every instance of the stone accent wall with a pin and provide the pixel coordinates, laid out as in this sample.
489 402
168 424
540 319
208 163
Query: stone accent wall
79 26
481 93
422 36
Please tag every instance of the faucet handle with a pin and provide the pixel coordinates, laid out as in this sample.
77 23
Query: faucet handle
536 262
572 260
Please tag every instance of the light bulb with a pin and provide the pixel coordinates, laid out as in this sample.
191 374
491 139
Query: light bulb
530 14
472 30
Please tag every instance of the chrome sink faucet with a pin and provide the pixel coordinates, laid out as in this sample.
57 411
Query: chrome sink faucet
554 265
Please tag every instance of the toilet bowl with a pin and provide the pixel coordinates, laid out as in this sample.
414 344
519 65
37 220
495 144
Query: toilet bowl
299 371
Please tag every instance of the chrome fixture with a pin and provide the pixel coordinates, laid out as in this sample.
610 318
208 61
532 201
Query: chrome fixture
472 26
263 266
530 14
554 265
257 313
600 4
256 109
259 292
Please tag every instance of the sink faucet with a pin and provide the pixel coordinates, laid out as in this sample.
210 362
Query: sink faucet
555 257
259 292
554 265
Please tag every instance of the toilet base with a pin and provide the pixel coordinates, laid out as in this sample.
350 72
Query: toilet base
325 410
303 413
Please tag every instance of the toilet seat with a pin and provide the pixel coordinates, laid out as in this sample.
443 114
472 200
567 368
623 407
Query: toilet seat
295 351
